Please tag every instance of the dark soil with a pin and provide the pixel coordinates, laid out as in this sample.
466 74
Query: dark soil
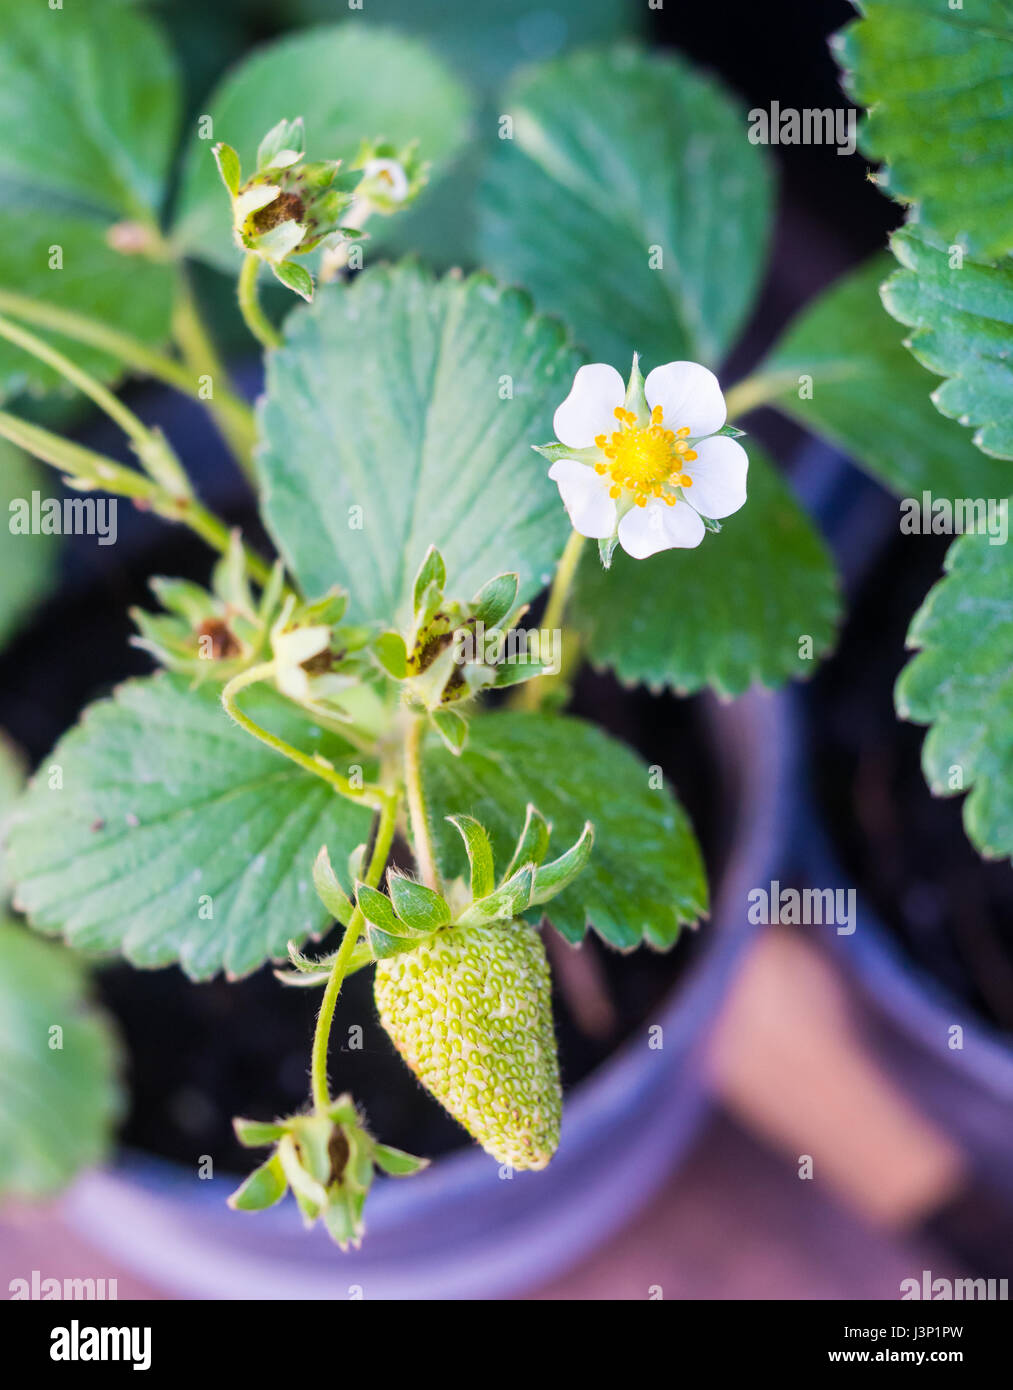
904 848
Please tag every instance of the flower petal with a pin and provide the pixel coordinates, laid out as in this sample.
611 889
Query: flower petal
588 410
644 531
719 477
585 497
688 395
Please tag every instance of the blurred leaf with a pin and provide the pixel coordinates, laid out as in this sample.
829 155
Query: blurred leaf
645 878
484 42
961 682
963 330
166 807
58 1093
349 84
733 611
91 281
89 107
384 407
618 157
936 79
870 398
27 562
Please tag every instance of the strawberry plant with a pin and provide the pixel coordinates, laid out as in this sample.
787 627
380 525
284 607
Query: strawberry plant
364 730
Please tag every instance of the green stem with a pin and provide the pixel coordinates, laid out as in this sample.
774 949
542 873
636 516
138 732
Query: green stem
232 415
256 320
322 1032
152 449
418 816
130 351
99 471
759 389
532 694
367 795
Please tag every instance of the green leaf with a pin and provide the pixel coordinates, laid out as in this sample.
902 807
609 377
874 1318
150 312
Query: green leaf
479 850
27 561
349 83
961 682
737 609
168 809
294 277
59 1097
419 907
963 330
645 878
264 1187
384 432
935 78
89 105
869 397
12 779
618 158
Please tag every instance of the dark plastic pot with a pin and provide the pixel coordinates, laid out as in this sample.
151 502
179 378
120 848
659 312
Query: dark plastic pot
969 1090
459 1230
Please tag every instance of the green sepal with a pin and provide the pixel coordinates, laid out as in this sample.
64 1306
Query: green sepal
515 672
377 909
495 599
552 878
635 398
396 1163
264 1187
710 523
390 651
288 138
606 549
431 571
533 844
228 166
510 899
452 729
384 944
479 848
591 454
419 907
730 432
312 1134
329 890
256 1134
294 277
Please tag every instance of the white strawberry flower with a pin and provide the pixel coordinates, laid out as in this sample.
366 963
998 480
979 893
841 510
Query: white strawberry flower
644 464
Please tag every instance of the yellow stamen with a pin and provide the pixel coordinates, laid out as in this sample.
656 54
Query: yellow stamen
645 460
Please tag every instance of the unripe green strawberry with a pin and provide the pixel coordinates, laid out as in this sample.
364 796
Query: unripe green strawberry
470 1012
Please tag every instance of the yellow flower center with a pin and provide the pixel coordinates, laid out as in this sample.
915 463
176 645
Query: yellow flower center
647 460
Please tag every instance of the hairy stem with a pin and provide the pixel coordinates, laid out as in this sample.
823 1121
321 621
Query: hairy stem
532 694
249 303
230 414
418 816
98 471
367 795
322 1033
153 451
135 355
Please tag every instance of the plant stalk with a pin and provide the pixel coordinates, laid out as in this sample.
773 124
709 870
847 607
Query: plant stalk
325 1018
418 815
249 304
